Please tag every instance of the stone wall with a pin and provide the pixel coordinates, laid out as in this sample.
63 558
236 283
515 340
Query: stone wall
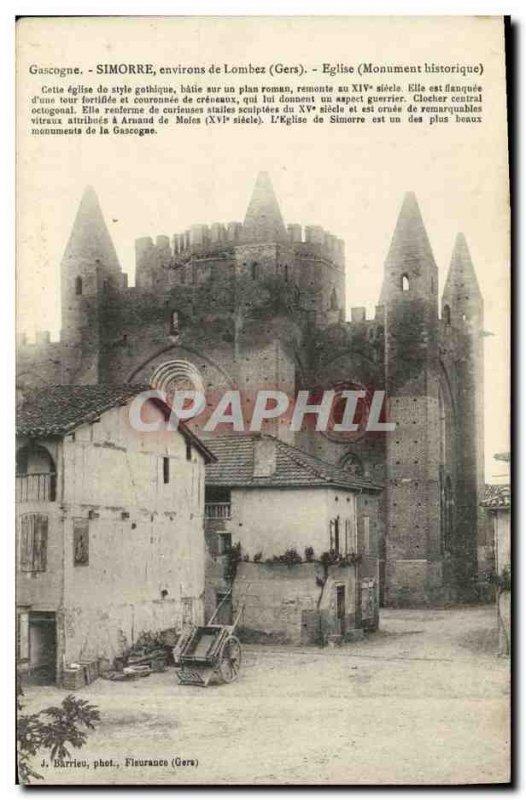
295 604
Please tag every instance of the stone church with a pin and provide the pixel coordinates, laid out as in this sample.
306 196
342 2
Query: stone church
261 304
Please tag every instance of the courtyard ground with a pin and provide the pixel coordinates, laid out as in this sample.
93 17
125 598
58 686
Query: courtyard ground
425 700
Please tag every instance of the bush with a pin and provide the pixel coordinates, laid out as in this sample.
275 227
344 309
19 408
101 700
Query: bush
501 582
291 557
330 557
258 557
309 554
233 559
53 729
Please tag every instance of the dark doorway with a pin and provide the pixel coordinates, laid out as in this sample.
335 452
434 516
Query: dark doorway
340 608
42 648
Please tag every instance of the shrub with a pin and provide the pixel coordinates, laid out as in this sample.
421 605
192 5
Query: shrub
258 557
330 557
233 558
502 582
309 554
291 557
53 729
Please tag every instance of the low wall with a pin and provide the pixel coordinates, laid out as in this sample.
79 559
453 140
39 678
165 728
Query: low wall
295 604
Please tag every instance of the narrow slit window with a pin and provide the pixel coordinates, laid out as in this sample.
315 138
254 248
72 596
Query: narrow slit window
166 470
174 323
81 542
405 283
78 285
366 536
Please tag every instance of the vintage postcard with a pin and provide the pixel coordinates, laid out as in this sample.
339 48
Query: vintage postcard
262 465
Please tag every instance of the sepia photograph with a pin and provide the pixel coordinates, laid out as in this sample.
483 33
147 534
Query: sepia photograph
263 502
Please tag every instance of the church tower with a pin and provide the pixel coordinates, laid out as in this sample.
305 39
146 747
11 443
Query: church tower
410 298
89 267
462 338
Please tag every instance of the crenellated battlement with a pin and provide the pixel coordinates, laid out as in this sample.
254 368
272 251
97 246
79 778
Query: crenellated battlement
41 341
39 349
359 315
220 239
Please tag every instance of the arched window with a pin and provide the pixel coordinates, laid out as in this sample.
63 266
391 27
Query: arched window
352 464
446 315
254 270
174 323
78 285
405 283
36 474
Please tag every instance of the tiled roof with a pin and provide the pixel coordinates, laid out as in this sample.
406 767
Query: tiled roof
58 410
294 467
497 496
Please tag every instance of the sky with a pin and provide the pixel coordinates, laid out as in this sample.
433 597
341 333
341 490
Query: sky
351 182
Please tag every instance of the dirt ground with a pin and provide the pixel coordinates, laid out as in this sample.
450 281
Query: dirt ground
425 700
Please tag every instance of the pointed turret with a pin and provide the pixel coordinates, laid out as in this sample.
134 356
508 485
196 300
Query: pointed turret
462 298
90 243
410 299
263 220
89 267
410 264
462 325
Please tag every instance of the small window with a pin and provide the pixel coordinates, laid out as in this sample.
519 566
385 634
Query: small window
254 271
80 542
446 315
33 542
166 470
224 543
286 273
22 636
335 534
78 285
174 323
366 536
334 300
188 451
405 283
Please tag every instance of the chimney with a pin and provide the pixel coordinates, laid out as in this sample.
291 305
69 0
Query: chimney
264 457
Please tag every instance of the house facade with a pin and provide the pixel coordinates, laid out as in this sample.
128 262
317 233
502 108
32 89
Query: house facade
497 504
296 537
109 523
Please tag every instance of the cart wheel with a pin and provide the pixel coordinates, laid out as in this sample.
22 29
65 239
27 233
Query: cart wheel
230 659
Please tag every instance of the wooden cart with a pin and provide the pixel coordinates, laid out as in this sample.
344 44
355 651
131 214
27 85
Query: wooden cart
207 651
